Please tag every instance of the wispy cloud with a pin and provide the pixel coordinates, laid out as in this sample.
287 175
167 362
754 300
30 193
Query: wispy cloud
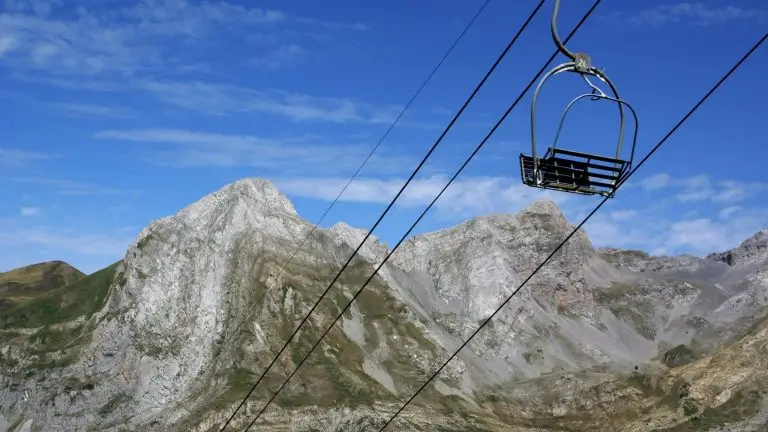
358 26
12 158
216 99
29 211
70 187
91 110
728 211
83 244
464 198
94 38
298 154
693 13
708 216
278 57
72 83
649 228
622 215
702 188
171 50
69 109
658 234
219 99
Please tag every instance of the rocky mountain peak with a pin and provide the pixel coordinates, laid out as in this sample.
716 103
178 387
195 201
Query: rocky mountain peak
478 263
545 207
258 191
256 194
752 249
203 298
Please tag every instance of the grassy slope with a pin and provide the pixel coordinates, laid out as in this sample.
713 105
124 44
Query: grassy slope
52 345
82 297
23 284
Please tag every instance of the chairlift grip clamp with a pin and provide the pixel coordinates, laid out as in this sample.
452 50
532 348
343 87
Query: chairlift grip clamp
582 62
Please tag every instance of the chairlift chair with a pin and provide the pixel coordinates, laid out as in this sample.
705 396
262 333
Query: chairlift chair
574 171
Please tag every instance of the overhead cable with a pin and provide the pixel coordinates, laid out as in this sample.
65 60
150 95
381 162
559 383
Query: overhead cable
365 161
603 201
589 12
391 204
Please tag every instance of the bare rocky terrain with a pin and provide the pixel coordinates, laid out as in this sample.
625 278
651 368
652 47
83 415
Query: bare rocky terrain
599 340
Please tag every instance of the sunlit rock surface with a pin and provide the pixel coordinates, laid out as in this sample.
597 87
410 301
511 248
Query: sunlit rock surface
203 300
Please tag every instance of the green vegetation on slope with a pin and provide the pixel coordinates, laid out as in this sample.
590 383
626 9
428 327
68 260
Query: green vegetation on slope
80 298
23 284
679 356
45 275
58 341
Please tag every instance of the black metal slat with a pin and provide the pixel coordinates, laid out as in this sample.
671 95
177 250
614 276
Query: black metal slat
559 177
579 167
619 168
586 155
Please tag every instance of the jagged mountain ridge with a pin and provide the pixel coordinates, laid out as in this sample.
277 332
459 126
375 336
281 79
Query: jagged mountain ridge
189 279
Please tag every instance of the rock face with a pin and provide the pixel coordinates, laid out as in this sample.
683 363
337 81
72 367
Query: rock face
751 250
204 299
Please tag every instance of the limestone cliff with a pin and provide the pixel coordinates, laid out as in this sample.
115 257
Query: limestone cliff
174 334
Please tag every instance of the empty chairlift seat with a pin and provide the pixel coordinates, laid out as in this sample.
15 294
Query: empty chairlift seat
573 171
576 172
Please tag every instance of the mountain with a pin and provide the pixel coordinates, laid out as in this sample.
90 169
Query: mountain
173 336
27 283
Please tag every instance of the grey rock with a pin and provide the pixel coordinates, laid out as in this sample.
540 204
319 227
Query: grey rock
203 299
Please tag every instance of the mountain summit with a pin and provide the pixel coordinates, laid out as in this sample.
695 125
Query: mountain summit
202 301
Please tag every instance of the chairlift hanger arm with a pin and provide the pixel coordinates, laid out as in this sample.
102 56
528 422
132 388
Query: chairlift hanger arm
582 61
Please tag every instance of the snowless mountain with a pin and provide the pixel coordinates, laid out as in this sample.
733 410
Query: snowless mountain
173 336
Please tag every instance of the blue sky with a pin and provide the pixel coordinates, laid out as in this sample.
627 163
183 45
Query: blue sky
116 113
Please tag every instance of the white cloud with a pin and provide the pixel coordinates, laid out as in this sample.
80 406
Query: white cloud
695 13
70 187
72 83
656 181
464 198
705 235
83 244
358 26
641 230
623 214
91 110
92 38
154 46
220 99
649 229
16 158
184 148
7 43
728 211
657 233
700 188
29 211
278 57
